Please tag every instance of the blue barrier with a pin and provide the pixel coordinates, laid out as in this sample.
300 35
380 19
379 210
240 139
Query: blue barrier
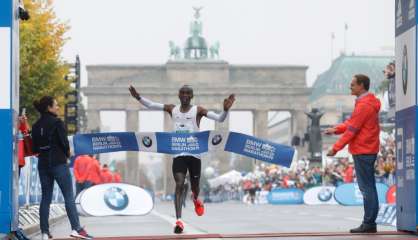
22 188
285 196
30 186
350 195
34 182
386 215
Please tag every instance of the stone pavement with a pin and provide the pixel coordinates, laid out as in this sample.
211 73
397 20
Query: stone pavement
233 220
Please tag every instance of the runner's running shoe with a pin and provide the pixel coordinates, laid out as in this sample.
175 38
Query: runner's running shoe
179 227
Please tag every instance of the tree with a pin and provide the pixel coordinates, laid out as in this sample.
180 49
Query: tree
42 70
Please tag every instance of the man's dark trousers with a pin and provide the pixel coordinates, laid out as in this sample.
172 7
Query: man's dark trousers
364 166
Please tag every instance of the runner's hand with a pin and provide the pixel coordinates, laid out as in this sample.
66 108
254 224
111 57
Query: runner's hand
228 102
134 93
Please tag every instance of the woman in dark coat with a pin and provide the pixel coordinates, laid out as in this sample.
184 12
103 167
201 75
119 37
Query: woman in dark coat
50 142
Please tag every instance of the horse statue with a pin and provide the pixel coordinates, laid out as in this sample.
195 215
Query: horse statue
174 50
214 50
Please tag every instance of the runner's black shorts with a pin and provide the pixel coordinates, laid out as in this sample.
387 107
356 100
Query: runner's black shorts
182 164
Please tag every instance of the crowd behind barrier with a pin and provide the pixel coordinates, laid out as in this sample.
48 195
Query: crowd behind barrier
267 177
30 187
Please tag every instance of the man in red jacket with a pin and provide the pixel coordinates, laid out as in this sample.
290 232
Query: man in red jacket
93 176
361 133
106 174
116 177
81 164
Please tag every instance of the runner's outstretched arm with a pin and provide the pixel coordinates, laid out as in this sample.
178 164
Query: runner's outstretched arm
220 117
148 103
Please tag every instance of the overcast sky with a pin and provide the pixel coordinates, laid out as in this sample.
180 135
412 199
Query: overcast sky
282 32
249 31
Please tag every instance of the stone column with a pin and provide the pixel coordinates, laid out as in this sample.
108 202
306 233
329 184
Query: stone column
168 180
132 161
222 156
260 122
93 120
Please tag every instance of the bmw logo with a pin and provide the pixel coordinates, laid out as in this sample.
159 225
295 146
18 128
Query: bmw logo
147 141
216 139
116 199
405 70
324 195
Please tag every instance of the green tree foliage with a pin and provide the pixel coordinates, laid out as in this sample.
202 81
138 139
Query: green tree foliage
42 70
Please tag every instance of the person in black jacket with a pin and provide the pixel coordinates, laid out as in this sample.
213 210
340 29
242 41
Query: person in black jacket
50 142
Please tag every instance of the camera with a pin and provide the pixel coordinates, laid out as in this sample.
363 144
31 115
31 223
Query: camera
23 13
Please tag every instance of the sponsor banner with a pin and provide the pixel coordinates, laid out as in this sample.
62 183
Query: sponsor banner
350 195
404 15
217 140
392 92
391 195
178 143
386 215
262 197
406 169
285 196
147 141
114 199
197 142
406 113
320 195
405 77
259 149
104 142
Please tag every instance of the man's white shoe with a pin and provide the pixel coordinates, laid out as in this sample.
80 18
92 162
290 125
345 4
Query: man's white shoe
46 236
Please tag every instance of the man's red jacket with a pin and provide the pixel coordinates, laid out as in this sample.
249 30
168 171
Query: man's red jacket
361 131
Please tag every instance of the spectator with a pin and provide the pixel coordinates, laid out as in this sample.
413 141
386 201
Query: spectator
81 164
252 191
348 173
389 71
93 173
106 174
116 177
361 133
50 141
